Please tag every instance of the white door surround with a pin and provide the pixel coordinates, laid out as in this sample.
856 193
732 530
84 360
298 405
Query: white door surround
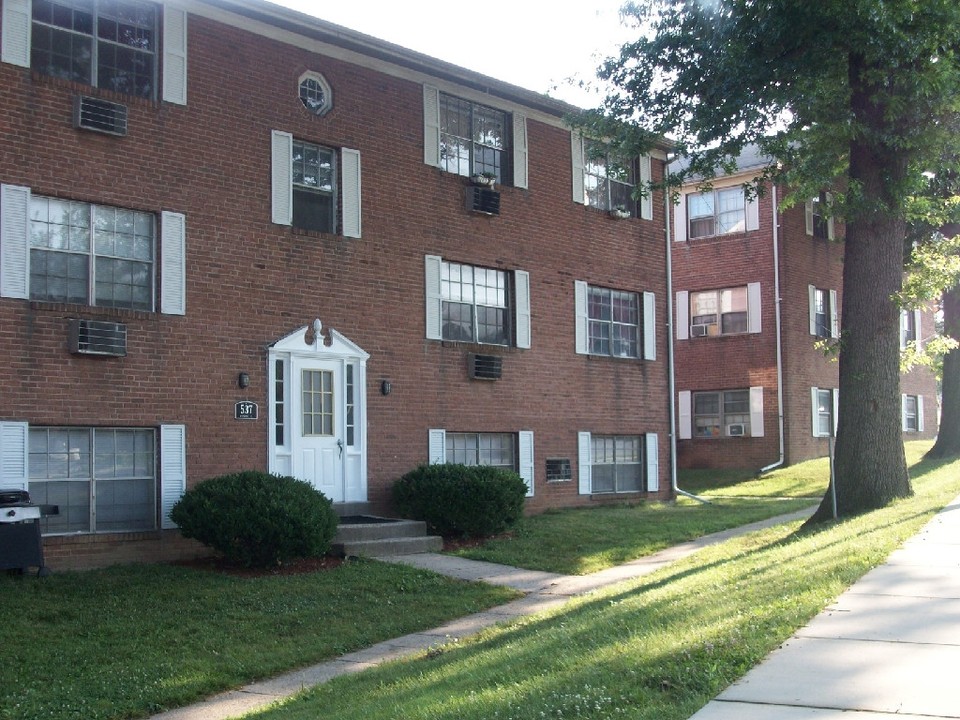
317 425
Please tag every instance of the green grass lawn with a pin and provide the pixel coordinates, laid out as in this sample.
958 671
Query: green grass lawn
654 648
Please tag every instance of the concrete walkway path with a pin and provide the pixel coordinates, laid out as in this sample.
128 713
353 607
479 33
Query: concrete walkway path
889 645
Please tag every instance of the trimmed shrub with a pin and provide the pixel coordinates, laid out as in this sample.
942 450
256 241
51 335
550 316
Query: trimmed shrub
461 500
257 519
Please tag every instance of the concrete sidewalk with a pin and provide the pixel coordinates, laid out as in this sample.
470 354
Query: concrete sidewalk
889 647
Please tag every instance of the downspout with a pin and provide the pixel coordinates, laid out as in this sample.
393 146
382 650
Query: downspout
776 293
671 379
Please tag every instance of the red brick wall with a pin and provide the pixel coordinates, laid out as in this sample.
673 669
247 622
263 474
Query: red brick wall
250 282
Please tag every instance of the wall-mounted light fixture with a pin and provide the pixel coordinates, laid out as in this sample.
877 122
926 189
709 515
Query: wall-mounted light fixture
243 380
386 387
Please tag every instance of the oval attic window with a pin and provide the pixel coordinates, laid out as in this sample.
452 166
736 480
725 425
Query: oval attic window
315 93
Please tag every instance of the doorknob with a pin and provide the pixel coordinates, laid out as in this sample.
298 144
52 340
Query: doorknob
340 447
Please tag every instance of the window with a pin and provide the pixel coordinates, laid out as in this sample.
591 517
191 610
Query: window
909 327
104 480
824 322
315 93
824 411
91 254
306 179
473 138
718 312
474 304
617 463
614 326
104 43
912 410
721 414
493 449
615 323
716 212
465 303
313 187
819 223
608 182
510 451
611 463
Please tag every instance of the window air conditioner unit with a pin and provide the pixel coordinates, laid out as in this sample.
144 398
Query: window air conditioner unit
97 337
102 116
486 367
699 330
735 430
483 200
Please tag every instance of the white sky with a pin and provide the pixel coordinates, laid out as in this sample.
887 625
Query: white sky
536 44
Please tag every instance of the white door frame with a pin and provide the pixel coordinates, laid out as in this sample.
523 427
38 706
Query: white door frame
312 345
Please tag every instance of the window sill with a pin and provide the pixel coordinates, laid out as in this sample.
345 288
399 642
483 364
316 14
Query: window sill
75 86
618 358
92 311
484 347
318 234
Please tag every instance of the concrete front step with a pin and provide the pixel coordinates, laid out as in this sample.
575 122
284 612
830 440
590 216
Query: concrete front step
379 537
389 546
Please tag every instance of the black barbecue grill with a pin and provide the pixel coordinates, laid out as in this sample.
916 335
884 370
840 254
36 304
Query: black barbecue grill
21 547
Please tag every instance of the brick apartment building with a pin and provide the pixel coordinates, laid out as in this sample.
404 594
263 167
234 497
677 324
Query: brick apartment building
740 361
234 237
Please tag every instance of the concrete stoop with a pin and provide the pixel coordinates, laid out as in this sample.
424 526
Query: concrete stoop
369 536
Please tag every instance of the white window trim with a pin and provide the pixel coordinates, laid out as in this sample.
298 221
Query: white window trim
651 463
648 313
751 212
434 303
815 410
754 312
808 217
685 413
916 327
437 453
903 413
834 316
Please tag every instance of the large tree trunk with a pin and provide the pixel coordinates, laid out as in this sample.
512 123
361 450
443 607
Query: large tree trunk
948 439
870 465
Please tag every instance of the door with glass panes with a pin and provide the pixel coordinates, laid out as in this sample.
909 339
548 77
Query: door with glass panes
318 420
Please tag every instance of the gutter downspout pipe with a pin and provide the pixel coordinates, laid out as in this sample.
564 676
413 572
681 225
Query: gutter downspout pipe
671 379
776 293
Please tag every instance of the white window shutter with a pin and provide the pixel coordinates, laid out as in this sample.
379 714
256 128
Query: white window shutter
812 306
829 197
174 55
649 326
753 213
680 219
17 16
834 315
919 413
173 263
683 315
580 301
684 415
903 329
173 470
815 411
646 176
432 291
584 463
526 464
522 283
576 157
437 447
903 413
281 177
808 216
756 412
835 397
520 152
431 126
653 463
916 328
14 455
14 245
753 307
350 191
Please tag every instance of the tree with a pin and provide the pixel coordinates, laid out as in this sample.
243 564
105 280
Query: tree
856 95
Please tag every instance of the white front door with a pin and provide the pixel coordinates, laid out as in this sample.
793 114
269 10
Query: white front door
318 418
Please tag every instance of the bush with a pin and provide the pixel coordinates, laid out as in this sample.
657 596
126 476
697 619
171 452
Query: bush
257 519
461 500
